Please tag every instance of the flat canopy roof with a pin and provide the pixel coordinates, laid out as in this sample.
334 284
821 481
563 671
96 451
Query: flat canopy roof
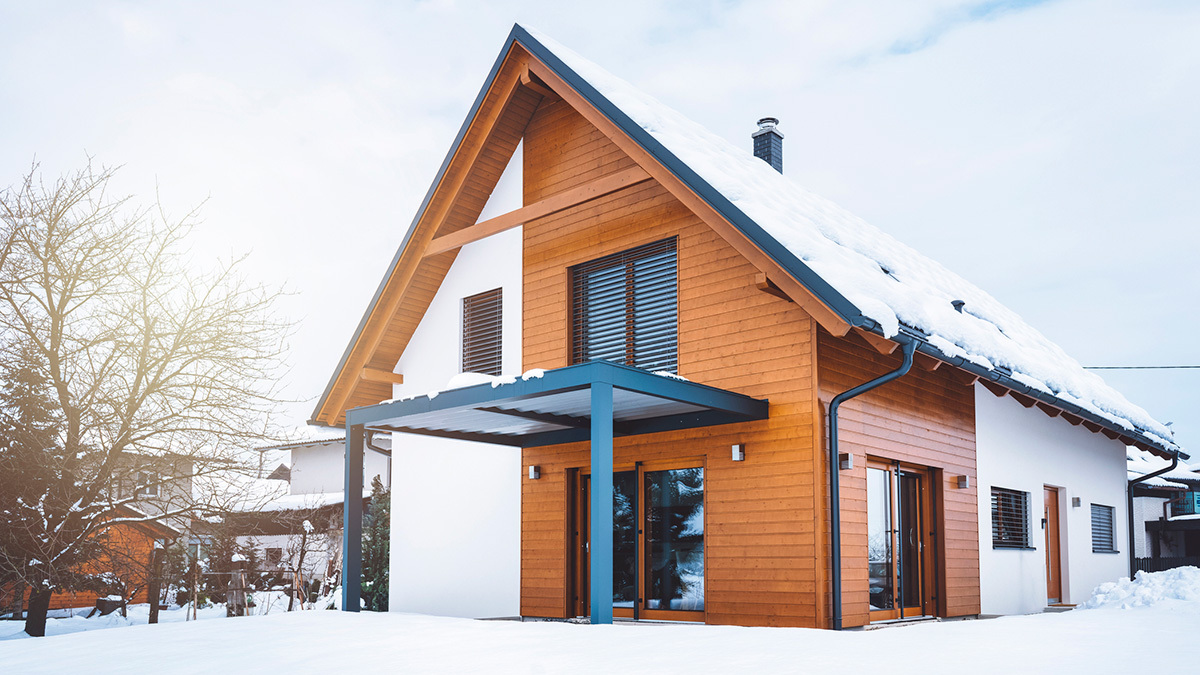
554 406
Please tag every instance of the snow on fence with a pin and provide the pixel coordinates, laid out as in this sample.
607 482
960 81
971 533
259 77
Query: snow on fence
1163 564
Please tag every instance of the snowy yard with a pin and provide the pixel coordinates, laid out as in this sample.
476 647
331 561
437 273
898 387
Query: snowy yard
1135 626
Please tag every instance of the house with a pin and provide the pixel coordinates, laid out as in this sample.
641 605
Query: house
1166 515
124 567
306 489
604 318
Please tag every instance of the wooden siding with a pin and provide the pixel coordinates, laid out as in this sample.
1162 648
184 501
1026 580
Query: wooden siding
762 547
924 418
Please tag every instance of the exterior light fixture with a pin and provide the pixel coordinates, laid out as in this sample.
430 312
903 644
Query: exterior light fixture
845 461
1075 501
964 482
534 472
739 452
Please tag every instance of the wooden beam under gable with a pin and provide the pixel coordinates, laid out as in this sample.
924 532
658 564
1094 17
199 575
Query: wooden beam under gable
763 283
829 319
996 389
546 207
377 375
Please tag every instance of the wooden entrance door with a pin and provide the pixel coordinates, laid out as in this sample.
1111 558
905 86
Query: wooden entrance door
899 532
658 542
1053 560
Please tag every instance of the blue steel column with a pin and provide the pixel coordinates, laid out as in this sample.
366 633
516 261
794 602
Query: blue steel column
602 503
352 520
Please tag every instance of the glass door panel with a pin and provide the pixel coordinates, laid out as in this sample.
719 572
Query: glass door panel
880 535
897 522
675 539
625 538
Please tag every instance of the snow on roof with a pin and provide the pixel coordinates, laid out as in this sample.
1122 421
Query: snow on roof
1183 477
887 281
306 501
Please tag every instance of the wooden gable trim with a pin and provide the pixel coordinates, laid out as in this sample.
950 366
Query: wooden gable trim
443 198
546 207
1049 409
763 283
824 315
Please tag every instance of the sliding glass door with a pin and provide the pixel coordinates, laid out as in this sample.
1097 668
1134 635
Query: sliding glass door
658 543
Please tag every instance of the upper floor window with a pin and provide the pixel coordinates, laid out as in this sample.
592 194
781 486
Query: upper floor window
482 346
625 308
147 484
1010 518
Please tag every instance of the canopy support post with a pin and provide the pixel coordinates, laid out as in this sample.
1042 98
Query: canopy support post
352 519
601 551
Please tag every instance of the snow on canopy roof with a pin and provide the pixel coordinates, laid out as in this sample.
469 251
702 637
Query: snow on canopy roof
885 280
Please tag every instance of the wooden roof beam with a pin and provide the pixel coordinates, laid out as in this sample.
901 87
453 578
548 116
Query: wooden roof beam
547 207
764 284
1049 409
879 344
926 362
531 82
994 388
1027 401
378 375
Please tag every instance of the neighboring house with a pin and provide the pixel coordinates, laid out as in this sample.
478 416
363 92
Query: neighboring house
656 332
309 489
124 567
1166 514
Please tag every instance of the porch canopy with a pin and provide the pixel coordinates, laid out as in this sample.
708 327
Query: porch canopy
594 401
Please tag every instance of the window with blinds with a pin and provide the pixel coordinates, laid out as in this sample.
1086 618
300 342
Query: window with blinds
1102 529
624 308
482 343
1010 518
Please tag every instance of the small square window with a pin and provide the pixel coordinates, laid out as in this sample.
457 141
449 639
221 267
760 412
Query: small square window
147 484
1103 540
1010 518
274 557
482 345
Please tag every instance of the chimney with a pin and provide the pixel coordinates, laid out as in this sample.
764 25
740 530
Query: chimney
768 143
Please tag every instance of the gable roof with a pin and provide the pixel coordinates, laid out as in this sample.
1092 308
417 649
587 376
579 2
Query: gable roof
864 277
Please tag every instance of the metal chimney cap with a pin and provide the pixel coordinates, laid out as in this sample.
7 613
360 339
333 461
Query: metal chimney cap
768 123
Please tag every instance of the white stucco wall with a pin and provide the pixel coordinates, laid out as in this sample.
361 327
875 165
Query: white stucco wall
321 468
456 505
1023 449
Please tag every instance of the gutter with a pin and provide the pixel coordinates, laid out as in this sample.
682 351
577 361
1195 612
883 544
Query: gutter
1129 505
909 346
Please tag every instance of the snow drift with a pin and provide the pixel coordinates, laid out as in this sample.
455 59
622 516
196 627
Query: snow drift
1148 589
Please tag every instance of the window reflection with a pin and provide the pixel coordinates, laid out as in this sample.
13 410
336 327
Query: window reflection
675 539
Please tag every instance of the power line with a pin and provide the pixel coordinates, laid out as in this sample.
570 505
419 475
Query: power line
1142 367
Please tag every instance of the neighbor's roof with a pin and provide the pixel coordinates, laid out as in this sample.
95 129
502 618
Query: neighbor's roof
873 280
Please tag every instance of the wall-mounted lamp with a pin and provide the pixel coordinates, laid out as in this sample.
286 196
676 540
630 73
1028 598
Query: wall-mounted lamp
964 482
534 472
845 461
739 452
1075 501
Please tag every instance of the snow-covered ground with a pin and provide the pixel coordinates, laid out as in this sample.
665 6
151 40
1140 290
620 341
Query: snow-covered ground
1130 628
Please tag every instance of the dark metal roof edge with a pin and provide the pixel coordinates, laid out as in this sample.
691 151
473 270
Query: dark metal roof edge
1008 382
575 376
462 132
825 292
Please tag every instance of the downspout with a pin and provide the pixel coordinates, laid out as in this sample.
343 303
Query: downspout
909 345
1129 505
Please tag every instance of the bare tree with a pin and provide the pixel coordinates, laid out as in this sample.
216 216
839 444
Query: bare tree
140 359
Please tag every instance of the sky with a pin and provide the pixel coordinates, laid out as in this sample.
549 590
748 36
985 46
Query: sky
1046 151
